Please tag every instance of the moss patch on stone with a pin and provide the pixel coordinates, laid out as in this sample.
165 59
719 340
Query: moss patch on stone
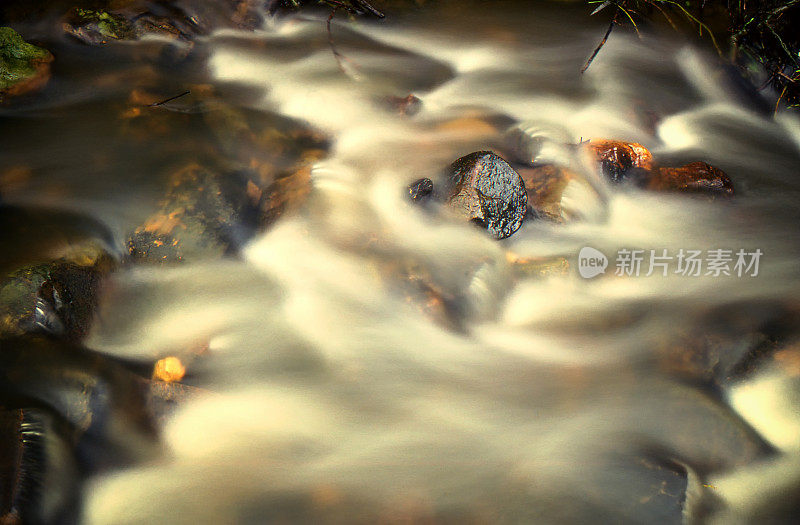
19 61
97 27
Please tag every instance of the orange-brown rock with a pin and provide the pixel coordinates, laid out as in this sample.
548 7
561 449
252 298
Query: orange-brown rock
617 158
697 177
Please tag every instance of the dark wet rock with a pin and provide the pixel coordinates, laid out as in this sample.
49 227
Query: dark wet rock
617 158
57 298
257 169
23 66
162 26
179 21
697 177
421 190
97 27
485 189
39 478
203 215
275 152
100 401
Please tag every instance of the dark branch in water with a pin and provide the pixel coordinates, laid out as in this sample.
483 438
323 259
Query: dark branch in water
600 46
340 58
155 104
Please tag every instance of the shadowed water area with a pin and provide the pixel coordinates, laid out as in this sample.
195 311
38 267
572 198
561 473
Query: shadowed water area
352 357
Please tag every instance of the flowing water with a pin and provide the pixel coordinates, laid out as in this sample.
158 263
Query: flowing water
324 394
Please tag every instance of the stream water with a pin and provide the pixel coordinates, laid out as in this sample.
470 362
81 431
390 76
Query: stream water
324 395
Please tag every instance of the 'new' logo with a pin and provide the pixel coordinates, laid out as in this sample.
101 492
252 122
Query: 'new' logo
591 262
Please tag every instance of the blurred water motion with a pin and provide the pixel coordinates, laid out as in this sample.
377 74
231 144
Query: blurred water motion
327 397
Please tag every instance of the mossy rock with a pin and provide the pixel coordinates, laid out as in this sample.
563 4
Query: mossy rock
97 27
23 66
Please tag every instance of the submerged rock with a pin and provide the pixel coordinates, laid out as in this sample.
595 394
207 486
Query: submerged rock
406 106
485 189
545 186
618 158
203 214
23 66
537 267
696 177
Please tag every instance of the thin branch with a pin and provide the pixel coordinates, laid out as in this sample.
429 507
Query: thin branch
170 99
340 58
778 102
600 46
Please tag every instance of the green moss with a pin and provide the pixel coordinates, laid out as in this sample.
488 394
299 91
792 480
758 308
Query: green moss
18 59
106 24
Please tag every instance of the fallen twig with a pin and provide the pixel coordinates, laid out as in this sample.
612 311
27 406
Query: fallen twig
155 104
340 58
600 46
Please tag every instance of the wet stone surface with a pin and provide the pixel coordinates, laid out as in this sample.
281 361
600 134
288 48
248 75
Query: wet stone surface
617 158
58 297
97 27
632 163
421 190
203 215
23 66
696 177
485 189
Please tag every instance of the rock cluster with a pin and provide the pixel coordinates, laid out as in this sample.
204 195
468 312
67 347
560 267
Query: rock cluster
484 188
629 162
